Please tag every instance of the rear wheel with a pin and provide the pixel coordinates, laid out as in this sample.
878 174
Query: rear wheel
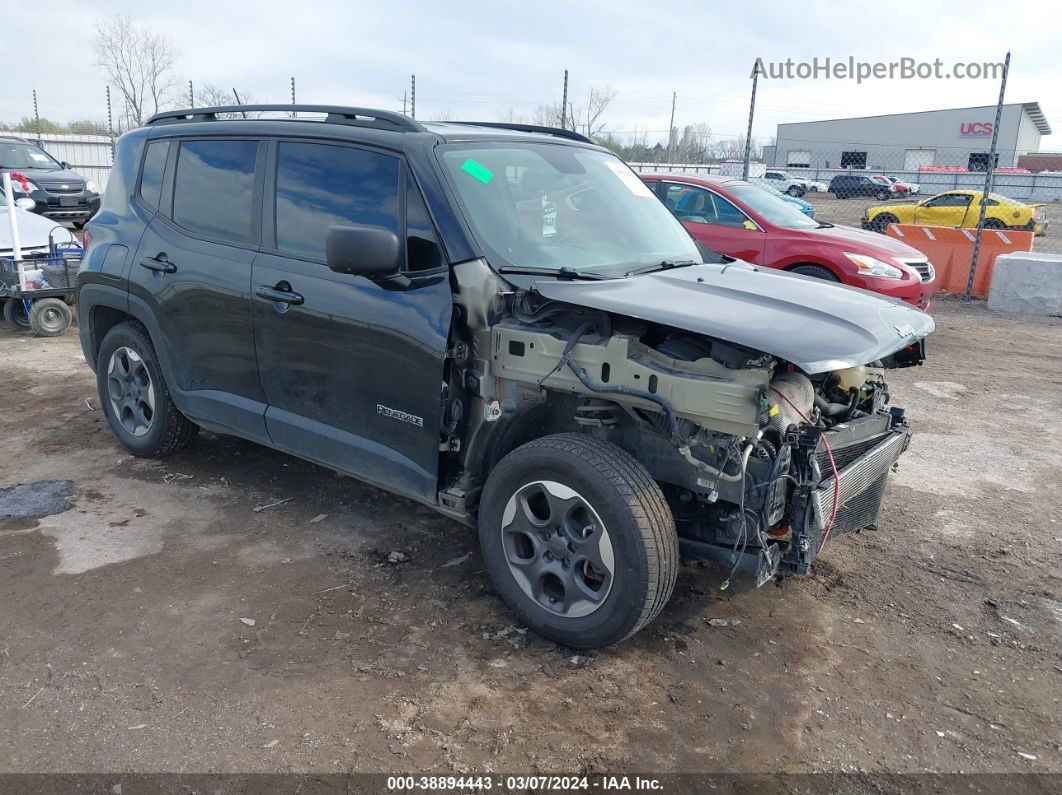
578 539
49 317
15 314
135 397
881 221
818 271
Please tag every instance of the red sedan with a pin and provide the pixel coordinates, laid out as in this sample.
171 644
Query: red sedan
738 219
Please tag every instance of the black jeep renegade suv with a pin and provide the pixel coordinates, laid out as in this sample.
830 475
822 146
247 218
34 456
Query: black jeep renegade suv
502 322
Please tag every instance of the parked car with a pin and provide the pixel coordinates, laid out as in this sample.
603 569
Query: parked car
845 186
960 208
501 322
740 220
805 207
58 192
781 181
898 188
814 186
910 188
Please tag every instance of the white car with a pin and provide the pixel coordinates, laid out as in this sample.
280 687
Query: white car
779 180
34 231
815 187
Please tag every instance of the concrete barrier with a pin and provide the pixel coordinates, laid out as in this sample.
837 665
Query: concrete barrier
1027 283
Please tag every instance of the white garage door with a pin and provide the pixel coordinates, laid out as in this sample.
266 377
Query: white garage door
915 158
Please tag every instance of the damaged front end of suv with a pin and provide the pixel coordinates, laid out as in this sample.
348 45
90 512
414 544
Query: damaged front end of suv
596 413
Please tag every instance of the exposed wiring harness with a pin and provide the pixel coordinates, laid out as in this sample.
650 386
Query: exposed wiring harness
604 389
833 466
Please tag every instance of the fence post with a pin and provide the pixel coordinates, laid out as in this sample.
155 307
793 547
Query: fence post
37 118
748 134
564 103
990 174
110 122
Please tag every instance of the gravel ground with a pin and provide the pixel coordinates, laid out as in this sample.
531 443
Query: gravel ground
161 623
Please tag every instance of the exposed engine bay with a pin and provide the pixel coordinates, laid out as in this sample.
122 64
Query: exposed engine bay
760 461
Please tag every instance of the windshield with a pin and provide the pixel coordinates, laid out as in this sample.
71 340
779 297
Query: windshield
16 155
554 206
771 208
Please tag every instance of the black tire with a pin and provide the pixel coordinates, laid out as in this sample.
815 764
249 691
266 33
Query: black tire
49 317
994 223
818 271
70 299
631 516
16 315
837 194
78 224
795 191
165 431
881 195
881 222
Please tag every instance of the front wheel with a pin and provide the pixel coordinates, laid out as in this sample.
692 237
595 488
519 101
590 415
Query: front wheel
135 397
578 539
49 317
816 271
880 222
994 223
881 195
795 191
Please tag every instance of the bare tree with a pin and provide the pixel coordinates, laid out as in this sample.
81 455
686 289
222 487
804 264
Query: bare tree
211 96
597 103
140 62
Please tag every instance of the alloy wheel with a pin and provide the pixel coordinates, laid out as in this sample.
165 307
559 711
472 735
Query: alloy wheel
558 549
131 391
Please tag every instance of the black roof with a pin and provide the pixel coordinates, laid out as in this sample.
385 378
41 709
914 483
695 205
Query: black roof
313 116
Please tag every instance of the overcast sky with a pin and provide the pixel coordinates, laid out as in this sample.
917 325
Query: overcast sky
475 60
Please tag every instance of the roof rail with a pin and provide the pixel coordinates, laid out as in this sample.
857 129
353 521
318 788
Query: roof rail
528 128
334 114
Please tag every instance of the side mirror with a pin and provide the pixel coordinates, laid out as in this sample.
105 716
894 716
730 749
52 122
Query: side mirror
363 250
64 164
25 203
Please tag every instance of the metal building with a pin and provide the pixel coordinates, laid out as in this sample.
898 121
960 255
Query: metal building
960 137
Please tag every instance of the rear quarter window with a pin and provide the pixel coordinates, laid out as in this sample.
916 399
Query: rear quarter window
154 168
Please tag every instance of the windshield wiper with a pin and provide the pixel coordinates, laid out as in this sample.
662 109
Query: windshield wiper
824 225
560 273
664 265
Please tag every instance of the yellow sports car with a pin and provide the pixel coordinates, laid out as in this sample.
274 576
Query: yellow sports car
960 208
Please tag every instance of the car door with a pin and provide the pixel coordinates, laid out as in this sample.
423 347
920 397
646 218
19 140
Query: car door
947 209
352 372
191 279
715 221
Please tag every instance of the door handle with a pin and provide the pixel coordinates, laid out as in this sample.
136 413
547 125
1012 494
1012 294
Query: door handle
278 296
158 264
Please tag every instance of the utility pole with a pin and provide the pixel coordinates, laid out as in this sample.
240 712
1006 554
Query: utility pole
413 96
191 95
564 103
110 122
671 126
404 94
990 174
748 132
37 117
293 94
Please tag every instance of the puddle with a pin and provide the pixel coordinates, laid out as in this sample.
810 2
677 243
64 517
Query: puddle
34 500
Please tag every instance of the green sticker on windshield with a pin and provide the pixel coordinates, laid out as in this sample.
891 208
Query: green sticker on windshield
477 170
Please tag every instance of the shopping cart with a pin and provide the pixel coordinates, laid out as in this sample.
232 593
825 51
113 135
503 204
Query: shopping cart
38 290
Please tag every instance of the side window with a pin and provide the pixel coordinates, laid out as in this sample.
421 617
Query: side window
726 214
949 200
689 203
422 245
154 168
321 185
212 188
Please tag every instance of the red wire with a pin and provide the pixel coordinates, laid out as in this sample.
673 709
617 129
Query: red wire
833 466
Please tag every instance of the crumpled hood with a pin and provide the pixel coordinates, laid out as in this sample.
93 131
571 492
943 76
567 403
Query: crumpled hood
816 325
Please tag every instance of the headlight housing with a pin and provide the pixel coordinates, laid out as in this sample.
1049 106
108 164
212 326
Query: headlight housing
874 267
26 186
92 187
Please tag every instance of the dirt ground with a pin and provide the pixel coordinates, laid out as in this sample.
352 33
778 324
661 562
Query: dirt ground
164 624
